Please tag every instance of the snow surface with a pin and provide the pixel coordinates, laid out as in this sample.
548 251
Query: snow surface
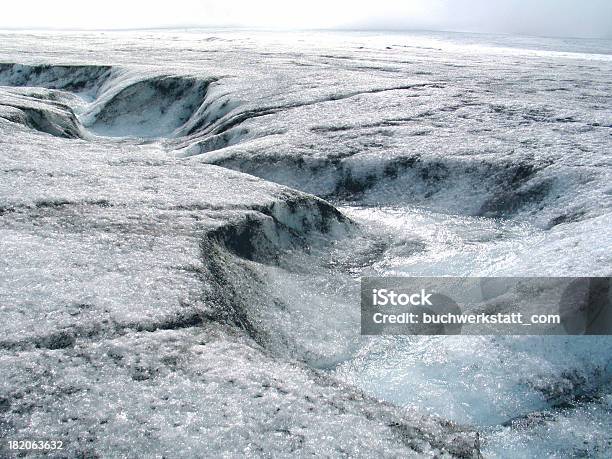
171 285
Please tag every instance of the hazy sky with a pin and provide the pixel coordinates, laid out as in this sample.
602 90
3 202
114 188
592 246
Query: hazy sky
584 18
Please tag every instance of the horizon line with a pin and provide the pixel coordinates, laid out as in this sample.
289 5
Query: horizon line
290 29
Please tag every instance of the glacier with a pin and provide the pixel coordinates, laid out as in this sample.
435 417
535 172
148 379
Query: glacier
186 215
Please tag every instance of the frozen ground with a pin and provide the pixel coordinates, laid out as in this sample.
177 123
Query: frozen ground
171 285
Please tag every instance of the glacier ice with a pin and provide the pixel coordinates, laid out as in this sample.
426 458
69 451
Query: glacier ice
185 221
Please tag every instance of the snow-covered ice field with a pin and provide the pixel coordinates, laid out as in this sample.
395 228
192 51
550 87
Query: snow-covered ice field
185 216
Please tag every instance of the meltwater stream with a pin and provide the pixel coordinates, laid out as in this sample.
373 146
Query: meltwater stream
530 396
444 244
523 393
